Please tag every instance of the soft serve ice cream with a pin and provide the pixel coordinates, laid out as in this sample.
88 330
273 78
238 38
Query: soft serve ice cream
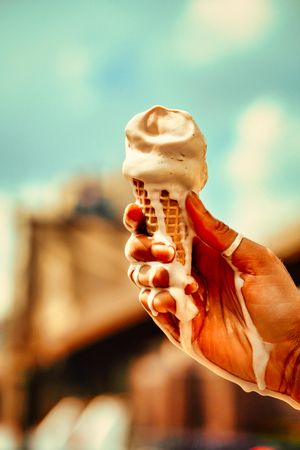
165 146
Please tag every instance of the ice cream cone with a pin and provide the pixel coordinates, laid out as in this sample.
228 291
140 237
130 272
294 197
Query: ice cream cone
165 159
174 224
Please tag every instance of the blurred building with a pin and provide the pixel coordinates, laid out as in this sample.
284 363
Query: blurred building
79 353
75 324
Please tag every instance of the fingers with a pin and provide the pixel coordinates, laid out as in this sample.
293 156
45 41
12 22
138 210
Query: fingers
144 248
209 229
163 308
156 276
149 276
134 219
162 302
141 247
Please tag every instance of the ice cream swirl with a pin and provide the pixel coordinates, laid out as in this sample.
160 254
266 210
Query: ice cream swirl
165 146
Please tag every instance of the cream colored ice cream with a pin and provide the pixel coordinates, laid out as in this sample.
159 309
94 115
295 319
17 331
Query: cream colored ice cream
165 146
165 159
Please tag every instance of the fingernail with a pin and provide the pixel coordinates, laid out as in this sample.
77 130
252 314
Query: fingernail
163 252
135 214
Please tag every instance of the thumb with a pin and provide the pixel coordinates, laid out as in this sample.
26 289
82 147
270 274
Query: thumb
210 230
249 257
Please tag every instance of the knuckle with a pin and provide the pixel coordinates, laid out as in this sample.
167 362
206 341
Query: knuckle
138 248
143 297
127 222
130 273
164 302
143 275
132 216
221 227
266 254
205 212
161 277
162 252
130 248
263 259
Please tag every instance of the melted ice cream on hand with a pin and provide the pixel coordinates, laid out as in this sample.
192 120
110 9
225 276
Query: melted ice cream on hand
166 150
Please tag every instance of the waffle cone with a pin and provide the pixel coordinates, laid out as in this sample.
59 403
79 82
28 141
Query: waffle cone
173 218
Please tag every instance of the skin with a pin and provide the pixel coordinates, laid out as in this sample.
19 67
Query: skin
219 329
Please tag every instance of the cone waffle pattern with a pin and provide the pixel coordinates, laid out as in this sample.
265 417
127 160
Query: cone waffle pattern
173 220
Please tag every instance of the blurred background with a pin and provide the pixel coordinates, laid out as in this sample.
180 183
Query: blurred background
81 365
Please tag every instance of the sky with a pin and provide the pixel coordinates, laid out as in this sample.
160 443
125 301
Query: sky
73 72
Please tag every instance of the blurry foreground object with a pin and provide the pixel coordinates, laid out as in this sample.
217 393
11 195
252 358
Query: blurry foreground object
56 428
101 423
10 439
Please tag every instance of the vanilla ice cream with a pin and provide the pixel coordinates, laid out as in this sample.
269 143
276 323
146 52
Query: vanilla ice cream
165 159
165 146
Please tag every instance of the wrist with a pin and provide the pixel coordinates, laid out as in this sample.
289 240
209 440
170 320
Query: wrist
290 378
292 372
283 371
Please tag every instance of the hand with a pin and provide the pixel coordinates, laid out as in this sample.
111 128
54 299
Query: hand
248 323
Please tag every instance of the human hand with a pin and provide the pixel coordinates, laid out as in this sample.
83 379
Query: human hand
248 324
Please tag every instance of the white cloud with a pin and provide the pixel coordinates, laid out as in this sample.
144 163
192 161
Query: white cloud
39 196
73 63
45 198
211 29
73 67
259 129
263 158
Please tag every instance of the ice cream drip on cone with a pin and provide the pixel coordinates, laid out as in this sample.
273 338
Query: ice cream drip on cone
165 159
174 224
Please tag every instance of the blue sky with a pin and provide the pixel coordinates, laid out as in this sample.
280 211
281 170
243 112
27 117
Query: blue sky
73 72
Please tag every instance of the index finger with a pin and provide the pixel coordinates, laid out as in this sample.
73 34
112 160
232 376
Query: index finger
134 219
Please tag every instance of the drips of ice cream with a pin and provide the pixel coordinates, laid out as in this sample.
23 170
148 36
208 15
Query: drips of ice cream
165 146
165 150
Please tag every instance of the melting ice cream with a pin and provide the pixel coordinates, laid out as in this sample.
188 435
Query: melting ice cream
165 159
165 146
165 152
